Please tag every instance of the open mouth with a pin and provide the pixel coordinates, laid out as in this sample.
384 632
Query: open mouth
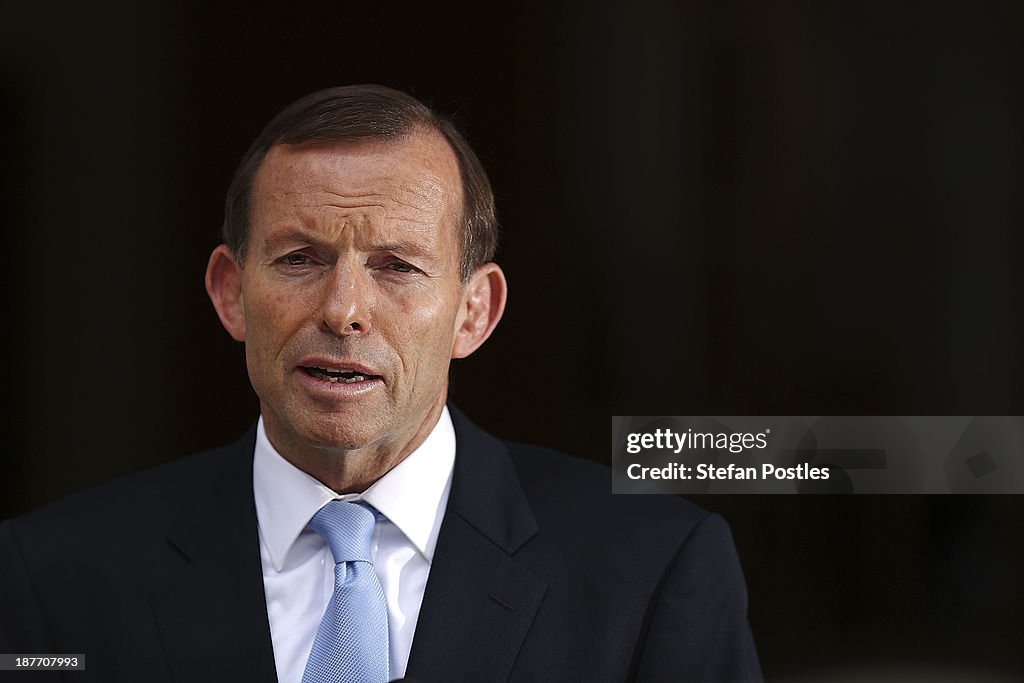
344 376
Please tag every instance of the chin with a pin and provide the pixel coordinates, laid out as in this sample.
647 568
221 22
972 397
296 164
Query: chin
339 434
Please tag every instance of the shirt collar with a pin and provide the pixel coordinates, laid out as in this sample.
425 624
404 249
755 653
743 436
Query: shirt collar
413 495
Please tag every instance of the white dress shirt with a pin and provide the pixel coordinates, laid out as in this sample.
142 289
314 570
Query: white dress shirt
298 569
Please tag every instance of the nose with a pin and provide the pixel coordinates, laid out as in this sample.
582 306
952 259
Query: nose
347 300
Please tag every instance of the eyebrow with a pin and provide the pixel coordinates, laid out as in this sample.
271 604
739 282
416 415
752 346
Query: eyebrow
292 235
404 247
300 235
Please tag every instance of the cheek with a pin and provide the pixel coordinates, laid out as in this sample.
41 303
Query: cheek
271 316
427 329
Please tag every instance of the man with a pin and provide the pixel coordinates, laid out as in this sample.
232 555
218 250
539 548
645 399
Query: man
356 265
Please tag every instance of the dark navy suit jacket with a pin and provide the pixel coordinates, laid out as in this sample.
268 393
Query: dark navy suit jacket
540 574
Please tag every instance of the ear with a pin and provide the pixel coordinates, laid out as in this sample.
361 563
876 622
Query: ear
483 302
224 285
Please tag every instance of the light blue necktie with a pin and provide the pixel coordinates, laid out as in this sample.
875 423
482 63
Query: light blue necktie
351 645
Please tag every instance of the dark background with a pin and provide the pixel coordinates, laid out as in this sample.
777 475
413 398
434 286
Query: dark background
709 208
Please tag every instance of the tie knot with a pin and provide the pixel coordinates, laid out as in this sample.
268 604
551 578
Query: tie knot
348 530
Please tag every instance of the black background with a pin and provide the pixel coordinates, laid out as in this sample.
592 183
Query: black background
708 208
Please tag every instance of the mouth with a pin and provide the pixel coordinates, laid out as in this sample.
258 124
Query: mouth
326 374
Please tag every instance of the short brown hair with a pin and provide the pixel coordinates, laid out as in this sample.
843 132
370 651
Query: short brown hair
366 112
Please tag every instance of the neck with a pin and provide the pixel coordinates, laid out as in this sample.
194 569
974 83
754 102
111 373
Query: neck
352 470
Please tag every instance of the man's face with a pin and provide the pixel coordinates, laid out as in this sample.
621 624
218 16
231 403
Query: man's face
351 295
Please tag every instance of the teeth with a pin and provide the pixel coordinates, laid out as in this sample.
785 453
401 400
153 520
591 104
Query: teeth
334 375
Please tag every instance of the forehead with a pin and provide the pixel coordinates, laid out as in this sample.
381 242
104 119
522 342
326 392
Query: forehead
415 173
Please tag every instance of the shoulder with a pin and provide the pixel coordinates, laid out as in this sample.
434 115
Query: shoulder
137 502
575 496
551 475
629 553
560 487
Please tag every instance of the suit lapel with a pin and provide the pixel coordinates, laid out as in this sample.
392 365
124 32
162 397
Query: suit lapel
479 602
212 615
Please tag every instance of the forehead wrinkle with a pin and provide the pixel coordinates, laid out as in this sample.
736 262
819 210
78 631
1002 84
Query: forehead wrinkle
433 196
427 213
415 217
431 193
309 199
417 238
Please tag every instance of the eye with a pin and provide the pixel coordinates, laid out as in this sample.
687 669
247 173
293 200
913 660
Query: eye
401 267
393 266
295 259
